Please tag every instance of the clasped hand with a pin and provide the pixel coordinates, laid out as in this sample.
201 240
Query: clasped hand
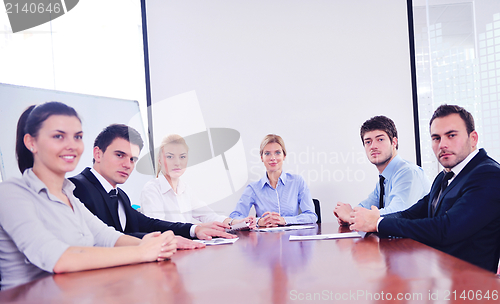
358 219
343 213
271 219
364 220
158 246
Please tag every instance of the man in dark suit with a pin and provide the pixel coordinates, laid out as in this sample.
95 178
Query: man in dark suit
116 150
461 214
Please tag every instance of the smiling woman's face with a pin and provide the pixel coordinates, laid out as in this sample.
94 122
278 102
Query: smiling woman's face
173 160
273 157
58 145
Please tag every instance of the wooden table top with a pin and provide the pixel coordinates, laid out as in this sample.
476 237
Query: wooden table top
265 267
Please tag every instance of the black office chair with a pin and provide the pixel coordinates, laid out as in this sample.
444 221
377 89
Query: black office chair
317 209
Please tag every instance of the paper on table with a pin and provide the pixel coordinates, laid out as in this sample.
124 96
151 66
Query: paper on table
325 236
217 241
285 228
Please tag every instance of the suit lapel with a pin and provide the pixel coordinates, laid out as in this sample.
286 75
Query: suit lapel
434 191
462 175
113 210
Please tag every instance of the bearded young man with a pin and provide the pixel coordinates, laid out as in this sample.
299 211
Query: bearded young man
401 183
461 214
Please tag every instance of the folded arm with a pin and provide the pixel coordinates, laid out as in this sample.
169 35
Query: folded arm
473 204
128 250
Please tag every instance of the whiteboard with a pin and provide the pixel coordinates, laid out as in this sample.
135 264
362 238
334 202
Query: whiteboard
311 71
95 112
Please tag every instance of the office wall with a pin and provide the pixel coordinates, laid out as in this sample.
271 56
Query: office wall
310 71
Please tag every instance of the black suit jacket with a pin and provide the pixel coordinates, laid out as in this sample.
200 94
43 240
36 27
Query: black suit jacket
466 223
90 192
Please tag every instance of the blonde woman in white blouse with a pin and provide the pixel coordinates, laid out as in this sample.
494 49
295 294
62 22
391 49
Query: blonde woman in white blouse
168 198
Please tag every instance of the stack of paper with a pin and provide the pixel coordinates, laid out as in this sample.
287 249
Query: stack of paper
285 228
325 236
217 241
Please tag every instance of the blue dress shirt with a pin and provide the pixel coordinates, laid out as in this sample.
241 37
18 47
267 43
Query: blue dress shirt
405 183
291 193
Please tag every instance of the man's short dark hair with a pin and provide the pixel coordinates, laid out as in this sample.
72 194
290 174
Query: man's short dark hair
106 137
445 110
381 123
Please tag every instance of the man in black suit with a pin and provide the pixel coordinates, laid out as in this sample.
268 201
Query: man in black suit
461 214
116 150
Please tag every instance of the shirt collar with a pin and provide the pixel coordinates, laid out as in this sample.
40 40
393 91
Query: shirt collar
37 185
459 167
165 185
265 180
391 167
104 183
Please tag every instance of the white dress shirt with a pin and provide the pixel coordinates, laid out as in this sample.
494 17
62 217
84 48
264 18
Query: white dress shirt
107 187
158 200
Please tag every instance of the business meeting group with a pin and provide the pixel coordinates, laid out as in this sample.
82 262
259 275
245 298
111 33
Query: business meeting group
51 224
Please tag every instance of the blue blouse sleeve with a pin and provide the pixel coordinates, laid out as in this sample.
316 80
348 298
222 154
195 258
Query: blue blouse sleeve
244 205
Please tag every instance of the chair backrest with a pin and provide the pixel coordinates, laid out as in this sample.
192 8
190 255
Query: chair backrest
317 209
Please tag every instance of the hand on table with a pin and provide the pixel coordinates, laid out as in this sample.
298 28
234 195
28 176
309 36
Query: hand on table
158 246
249 219
206 233
343 213
364 219
215 225
186 244
271 219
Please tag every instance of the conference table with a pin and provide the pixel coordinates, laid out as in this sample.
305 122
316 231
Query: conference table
266 267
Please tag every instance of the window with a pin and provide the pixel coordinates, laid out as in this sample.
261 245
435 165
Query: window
457 50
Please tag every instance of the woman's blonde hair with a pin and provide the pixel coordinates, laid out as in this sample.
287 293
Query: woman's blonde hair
170 139
272 138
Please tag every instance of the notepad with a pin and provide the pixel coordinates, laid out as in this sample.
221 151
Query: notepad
285 228
217 241
325 236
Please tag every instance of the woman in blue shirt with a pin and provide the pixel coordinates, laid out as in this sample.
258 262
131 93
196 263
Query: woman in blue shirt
277 196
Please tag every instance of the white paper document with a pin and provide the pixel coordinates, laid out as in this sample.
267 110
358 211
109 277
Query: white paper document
325 236
285 228
217 241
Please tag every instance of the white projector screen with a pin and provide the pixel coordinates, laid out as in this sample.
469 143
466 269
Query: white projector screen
311 71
